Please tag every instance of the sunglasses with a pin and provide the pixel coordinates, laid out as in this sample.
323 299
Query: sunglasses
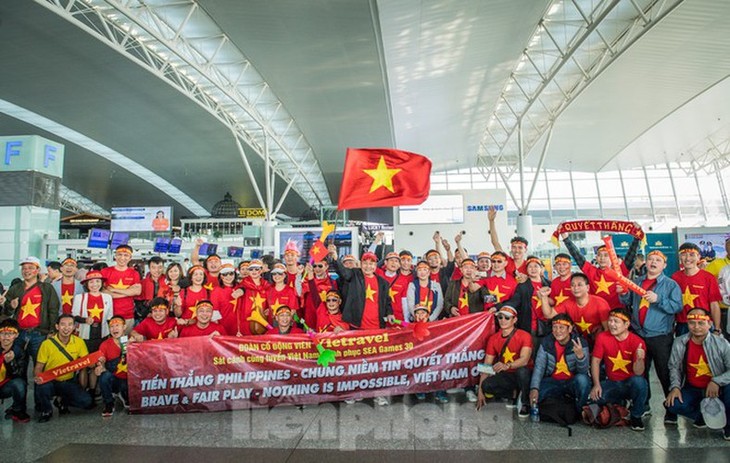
318 265
497 261
504 317
333 300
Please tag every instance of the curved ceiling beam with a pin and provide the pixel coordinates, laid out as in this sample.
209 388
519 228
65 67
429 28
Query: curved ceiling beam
105 152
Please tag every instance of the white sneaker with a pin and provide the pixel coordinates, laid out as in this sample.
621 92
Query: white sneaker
382 401
349 401
471 396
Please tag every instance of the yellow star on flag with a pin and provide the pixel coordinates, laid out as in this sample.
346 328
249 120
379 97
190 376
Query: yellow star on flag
464 301
3 372
119 285
584 325
121 368
508 356
370 293
257 300
619 363
392 293
95 312
688 299
67 298
701 367
323 295
562 367
560 298
275 306
643 304
602 286
382 176
29 309
496 293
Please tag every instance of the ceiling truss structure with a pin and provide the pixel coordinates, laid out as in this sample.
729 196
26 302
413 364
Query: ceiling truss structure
178 42
78 204
574 42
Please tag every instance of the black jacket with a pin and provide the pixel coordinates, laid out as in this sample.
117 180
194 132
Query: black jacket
474 299
352 287
521 300
49 305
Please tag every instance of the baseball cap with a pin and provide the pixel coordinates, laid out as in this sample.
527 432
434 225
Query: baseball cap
31 260
508 310
228 268
279 268
713 411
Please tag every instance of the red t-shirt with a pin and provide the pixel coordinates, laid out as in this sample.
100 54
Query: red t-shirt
190 298
222 300
3 370
67 297
286 296
371 312
520 339
560 290
502 287
698 371
122 279
328 322
511 268
293 330
698 290
618 355
29 310
195 330
603 286
211 282
588 318
311 307
561 371
95 307
111 351
398 288
536 305
150 329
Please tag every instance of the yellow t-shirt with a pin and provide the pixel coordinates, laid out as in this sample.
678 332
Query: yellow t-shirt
51 357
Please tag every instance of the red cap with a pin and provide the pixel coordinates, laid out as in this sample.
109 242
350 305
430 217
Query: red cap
369 256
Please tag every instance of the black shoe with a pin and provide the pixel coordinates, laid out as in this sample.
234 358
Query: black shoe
21 417
45 417
670 418
726 434
108 410
699 423
9 413
62 408
636 423
524 411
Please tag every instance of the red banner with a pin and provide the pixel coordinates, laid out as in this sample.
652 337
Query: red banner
614 226
76 365
226 373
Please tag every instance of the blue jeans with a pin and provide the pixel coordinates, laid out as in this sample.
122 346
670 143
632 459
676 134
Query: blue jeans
69 392
30 341
14 388
635 388
109 384
692 396
578 387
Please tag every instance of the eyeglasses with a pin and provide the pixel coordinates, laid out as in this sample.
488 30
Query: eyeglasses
497 261
504 317
318 265
333 300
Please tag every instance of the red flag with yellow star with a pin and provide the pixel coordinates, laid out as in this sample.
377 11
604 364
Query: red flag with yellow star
318 252
382 177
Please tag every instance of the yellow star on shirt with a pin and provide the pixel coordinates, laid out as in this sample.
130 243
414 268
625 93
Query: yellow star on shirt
643 304
584 325
508 356
392 293
538 301
233 302
560 298
258 300
496 293
3 372
208 286
701 367
275 306
369 293
464 301
121 368
602 286
194 310
29 309
67 298
619 363
688 299
119 285
382 176
562 366
95 312
426 303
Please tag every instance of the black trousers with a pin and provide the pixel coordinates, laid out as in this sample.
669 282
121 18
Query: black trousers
658 351
504 384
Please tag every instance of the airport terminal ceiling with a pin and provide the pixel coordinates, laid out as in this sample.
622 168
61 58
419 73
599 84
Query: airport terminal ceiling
620 83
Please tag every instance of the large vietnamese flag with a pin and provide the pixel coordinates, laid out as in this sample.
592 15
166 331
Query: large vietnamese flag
381 177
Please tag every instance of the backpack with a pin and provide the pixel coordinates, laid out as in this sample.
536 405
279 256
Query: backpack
605 416
560 410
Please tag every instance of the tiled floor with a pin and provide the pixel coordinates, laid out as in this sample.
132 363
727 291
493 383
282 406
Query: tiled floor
404 432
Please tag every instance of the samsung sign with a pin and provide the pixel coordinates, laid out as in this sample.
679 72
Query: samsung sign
483 207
